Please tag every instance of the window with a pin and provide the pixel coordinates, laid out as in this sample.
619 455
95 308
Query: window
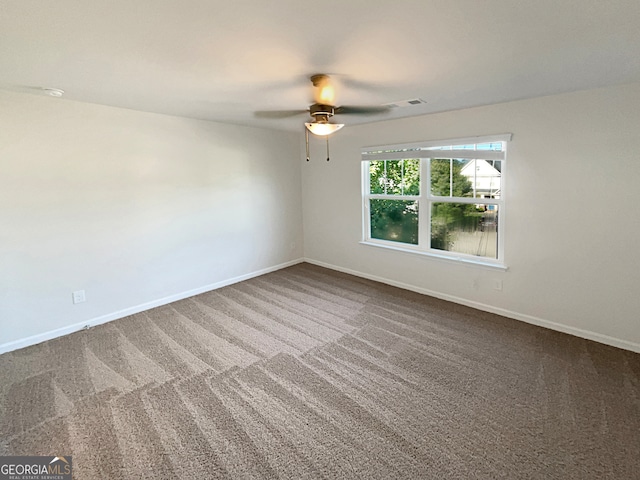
437 198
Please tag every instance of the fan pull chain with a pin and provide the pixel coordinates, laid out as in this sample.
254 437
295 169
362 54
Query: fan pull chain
327 137
306 136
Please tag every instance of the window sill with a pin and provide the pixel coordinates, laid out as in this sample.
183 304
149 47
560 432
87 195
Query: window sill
445 258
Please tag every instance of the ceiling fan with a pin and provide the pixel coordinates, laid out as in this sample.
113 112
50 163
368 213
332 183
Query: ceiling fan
322 110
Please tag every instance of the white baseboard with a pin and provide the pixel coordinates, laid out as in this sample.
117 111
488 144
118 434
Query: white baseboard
578 332
42 337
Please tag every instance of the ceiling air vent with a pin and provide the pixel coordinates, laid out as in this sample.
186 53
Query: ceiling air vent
405 103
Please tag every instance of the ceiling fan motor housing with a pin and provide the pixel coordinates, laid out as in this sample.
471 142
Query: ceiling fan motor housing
321 113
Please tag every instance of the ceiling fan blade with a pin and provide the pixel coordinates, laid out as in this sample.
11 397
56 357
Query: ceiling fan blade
278 113
352 109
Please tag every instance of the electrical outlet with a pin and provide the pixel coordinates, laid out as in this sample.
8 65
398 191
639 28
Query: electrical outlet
497 285
79 296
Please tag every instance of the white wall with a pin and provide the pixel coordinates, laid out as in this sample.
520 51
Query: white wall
138 208
572 241
135 208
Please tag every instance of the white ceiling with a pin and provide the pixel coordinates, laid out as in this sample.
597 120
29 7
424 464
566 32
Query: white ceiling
223 60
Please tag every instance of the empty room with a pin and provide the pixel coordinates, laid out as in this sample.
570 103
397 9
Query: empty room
336 239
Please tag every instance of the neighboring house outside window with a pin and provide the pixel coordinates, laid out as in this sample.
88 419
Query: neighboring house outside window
437 198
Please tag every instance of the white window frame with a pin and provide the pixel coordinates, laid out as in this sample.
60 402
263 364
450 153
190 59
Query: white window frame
424 151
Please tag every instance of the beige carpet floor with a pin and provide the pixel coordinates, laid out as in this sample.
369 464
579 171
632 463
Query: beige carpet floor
310 373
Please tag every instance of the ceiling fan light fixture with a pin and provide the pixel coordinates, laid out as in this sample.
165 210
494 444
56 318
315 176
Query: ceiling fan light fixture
323 129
